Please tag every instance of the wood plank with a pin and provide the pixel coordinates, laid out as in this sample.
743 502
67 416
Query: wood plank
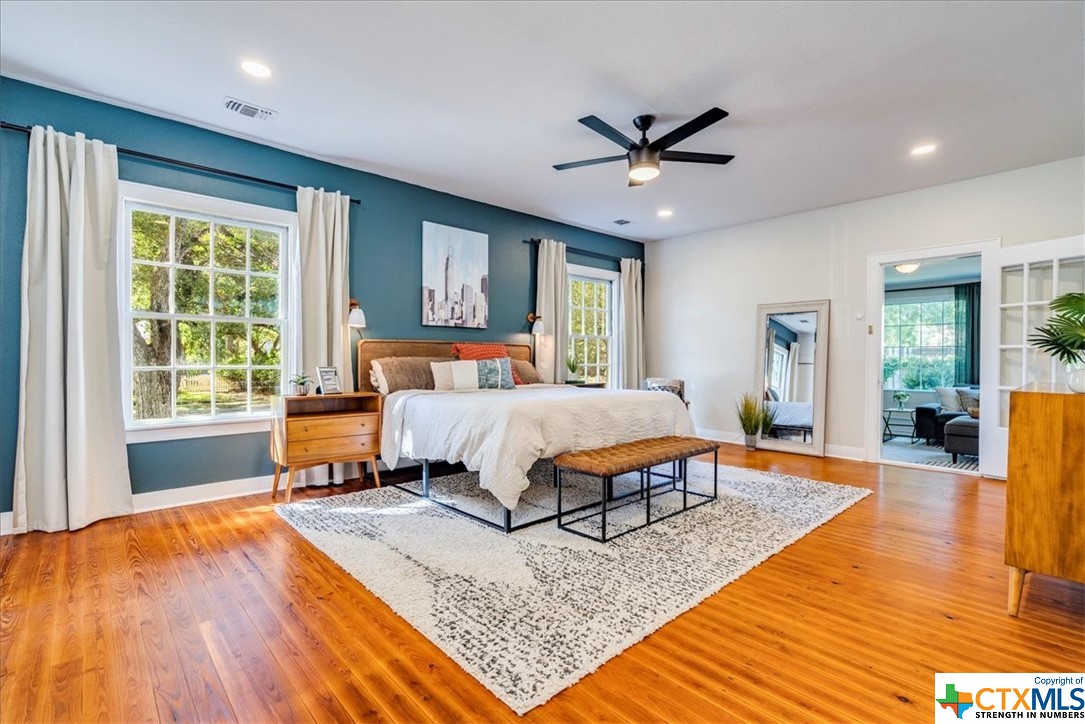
227 591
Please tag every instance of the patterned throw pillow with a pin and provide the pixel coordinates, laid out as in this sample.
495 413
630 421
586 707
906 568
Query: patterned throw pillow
489 374
483 350
968 398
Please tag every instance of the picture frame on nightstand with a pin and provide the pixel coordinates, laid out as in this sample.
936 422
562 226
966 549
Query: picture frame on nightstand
328 379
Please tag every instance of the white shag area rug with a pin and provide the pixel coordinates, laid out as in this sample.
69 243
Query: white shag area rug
531 613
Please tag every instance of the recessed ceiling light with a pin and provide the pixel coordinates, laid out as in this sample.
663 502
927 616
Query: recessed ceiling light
258 69
924 149
664 213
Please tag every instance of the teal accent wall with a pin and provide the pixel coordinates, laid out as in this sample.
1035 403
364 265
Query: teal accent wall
385 253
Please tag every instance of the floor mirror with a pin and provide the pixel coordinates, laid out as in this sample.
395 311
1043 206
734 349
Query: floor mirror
792 366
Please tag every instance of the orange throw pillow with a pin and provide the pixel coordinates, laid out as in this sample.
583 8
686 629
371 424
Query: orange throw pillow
484 350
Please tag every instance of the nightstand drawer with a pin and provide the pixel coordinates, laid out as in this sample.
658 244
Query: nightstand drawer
331 447
315 428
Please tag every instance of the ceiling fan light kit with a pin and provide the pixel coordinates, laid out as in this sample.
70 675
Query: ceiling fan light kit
644 157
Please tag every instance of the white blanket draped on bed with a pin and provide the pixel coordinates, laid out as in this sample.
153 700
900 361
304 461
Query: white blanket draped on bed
501 433
793 414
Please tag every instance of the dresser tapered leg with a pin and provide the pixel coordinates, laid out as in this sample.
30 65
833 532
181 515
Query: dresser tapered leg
290 482
376 474
275 485
1017 582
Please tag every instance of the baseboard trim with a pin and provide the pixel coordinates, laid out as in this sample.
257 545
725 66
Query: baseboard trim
844 452
176 497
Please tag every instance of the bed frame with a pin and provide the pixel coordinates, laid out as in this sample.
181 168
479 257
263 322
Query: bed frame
371 349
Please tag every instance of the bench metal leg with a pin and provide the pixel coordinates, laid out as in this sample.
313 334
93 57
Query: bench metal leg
425 478
557 484
608 485
685 487
508 520
715 473
648 503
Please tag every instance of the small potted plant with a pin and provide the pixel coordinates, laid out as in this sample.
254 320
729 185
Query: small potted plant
573 367
1063 337
301 382
753 417
901 397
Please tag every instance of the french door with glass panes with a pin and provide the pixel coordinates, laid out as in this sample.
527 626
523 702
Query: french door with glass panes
1028 276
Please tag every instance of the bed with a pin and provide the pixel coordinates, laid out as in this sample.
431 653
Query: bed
792 417
501 433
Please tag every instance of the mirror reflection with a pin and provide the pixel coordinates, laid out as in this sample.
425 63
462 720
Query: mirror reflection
790 345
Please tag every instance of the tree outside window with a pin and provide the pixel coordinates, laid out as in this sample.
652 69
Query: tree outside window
919 345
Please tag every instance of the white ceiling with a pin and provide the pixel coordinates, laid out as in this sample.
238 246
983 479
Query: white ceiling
479 99
805 322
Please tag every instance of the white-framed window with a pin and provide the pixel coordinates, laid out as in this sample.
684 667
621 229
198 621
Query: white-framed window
206 291
592 301
779 370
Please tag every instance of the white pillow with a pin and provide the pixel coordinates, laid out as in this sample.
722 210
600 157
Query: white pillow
377 378
948 399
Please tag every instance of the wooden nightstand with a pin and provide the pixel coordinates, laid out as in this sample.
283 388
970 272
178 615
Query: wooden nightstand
312 430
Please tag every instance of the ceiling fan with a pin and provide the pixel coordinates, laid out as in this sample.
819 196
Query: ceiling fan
644 157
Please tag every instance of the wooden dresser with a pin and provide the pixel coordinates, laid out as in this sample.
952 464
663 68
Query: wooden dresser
312 430
1045 486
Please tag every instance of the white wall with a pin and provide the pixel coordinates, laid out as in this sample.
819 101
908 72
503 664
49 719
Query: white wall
702 290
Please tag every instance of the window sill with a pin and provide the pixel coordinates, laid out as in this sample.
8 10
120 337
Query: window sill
203 428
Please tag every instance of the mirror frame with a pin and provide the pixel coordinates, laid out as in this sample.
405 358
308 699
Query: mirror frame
821 371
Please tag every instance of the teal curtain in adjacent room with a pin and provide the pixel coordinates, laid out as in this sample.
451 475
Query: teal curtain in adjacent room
967 323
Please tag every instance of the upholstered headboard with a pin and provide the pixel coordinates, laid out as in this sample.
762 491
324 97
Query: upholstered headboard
371 349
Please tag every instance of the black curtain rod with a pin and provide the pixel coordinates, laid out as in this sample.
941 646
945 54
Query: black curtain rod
581 252
184 164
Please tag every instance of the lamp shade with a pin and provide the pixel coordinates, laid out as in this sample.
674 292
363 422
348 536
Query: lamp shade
537 328
356 318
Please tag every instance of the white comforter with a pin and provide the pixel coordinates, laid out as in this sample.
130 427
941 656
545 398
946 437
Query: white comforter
501 433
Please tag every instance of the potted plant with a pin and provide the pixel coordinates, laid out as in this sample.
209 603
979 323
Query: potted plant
301 383
1063 337
901 397
753 417
573 366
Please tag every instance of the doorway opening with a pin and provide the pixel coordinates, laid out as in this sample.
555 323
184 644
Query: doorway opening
930 327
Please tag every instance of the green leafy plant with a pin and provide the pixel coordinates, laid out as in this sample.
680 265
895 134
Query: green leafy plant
1063 337
301 379
753 416
572 364
901 396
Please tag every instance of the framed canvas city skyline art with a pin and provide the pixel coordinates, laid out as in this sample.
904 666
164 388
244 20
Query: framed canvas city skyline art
455 277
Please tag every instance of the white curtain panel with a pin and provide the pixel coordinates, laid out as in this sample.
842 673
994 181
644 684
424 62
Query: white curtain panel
323 242
631 325
792 372
71 463
552 304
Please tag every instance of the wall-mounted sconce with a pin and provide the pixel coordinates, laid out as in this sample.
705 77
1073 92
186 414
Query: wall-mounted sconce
356 318
537 327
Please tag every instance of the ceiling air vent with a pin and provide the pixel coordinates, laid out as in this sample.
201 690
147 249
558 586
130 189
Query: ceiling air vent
622 222
248 109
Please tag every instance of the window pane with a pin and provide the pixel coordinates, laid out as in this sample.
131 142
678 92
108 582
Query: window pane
909 314
601 322
193 393
193 343
603 351
150 236
589 323
1071 276
264 252
265 383
578 351
231 344
1040 282
1013 284
264 297
578 322
265 344
150 288
152 395
591 351
931 313
192 290
909 336
892 336
193 242
892 314
603 297
229 294
231 391
230 246
151 342
576 293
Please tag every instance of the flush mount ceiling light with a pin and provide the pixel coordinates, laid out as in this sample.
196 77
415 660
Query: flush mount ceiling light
907 268
664 213
924 149
254 68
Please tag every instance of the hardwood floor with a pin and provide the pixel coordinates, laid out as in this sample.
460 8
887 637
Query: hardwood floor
220 611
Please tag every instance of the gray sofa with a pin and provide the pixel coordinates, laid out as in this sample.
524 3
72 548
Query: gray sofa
962 436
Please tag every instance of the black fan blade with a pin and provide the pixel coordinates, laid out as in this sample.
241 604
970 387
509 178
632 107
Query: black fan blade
589 162
686 130
690 157
596 124
634 182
